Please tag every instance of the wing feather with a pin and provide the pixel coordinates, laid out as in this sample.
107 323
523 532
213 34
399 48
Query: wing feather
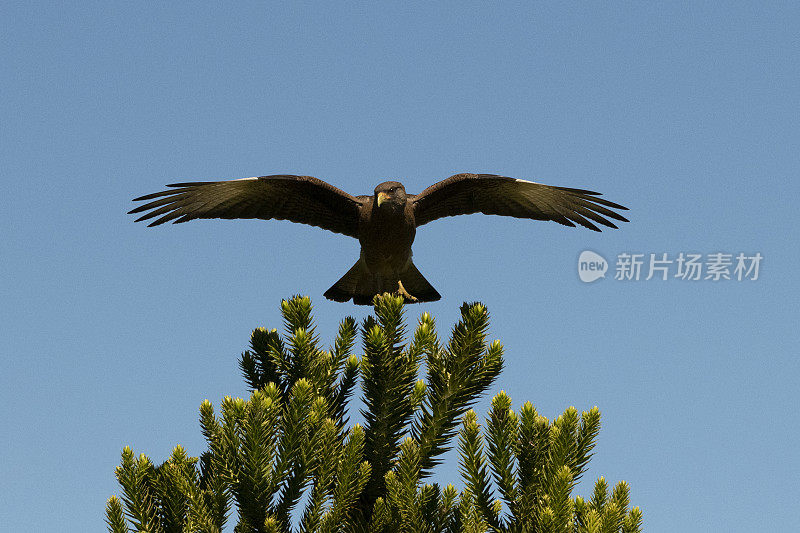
301 199
463 194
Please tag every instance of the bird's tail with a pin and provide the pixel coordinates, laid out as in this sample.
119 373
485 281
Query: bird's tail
361 285
417 286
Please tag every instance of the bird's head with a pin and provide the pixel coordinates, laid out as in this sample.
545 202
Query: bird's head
390 195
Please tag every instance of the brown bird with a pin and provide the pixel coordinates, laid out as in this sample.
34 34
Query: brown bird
384 223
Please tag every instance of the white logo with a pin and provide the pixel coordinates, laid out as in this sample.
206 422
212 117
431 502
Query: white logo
591 266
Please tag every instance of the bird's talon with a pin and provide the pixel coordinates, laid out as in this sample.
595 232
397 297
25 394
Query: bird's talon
401 291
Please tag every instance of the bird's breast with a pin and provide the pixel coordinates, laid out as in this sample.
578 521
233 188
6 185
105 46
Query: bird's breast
386 239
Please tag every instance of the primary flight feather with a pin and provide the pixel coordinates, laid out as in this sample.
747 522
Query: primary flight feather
385 223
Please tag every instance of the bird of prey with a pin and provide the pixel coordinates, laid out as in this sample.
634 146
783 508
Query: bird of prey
384 223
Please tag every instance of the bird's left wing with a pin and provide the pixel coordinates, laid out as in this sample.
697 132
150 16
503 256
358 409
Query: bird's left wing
302 199
463 194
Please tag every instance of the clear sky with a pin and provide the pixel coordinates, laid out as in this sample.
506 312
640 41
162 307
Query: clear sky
112 333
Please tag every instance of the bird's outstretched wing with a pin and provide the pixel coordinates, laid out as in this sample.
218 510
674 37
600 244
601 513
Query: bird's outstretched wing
302 199
463 194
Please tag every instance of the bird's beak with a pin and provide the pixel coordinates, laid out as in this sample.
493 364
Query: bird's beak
382 197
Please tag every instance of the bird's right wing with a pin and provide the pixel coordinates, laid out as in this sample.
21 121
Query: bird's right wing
302 199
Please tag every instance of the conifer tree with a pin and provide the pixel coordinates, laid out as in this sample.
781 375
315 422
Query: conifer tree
292 440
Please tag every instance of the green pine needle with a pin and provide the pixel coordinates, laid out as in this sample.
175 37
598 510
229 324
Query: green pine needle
291 441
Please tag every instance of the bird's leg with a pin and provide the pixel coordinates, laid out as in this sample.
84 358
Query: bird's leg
401 291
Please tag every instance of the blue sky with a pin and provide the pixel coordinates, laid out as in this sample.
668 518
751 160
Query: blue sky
113 333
